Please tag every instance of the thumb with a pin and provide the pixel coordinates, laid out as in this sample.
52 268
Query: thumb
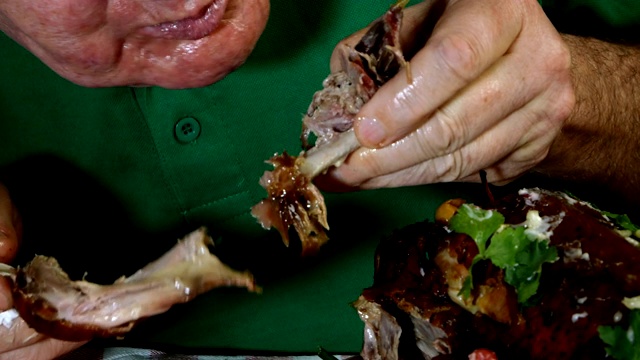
6 299
10 233
10 227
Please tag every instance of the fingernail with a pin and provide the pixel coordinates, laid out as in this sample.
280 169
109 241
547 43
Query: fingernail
372 131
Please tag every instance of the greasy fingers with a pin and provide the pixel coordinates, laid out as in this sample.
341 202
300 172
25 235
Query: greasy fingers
16 334
10 227
483 153
491 117
469 37
491 146
19 342
491 91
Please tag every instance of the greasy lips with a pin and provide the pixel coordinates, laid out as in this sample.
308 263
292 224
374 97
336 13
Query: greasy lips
190 28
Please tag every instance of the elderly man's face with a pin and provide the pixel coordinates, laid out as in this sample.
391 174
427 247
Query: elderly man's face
170 43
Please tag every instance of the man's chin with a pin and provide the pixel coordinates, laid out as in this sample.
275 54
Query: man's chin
161 79
164 65
182 79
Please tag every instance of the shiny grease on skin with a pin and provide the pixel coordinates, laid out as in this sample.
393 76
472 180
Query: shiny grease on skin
192 28
169 43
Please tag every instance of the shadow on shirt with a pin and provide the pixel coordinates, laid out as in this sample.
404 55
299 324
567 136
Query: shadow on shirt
67 214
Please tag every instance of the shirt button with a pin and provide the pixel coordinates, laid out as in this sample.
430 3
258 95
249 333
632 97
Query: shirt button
187 129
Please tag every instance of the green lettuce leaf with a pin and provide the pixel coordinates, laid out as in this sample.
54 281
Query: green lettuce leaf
525 274
623 221
509 248
476 222
623 344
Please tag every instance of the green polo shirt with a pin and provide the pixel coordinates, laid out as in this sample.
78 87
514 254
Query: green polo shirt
108 179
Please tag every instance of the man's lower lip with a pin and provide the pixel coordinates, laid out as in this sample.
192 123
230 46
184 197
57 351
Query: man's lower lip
190 28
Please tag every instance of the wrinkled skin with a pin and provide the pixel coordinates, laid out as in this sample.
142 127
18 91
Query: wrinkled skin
98 43
490 90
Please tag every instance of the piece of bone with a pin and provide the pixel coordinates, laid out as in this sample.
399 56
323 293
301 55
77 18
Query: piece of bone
54 305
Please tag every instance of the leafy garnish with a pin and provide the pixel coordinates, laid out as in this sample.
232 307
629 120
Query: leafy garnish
476 222
623 221
509 247
623 344
504 246
525 274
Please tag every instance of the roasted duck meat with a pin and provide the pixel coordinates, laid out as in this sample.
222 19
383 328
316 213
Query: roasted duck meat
293 199
438 293
56 306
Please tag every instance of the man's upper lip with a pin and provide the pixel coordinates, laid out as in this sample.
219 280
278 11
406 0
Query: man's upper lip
191 27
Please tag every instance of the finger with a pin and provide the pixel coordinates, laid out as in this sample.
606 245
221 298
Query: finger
515 154
10 227
19 341
511 82
6 301
499 92
16 334
534 146
465 42
446 168
44 349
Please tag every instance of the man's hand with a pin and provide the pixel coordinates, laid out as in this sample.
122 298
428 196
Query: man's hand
17 340
489 90
10 228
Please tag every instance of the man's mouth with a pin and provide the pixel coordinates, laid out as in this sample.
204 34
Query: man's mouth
190 28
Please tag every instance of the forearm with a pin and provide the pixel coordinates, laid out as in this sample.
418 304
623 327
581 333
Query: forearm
600 143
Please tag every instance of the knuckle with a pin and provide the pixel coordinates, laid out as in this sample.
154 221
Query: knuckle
566 100
560 104
445 134
374 165
559 57
522 161
459 56
556 60
449 167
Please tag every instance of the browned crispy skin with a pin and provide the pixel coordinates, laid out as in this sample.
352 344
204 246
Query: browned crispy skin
579 292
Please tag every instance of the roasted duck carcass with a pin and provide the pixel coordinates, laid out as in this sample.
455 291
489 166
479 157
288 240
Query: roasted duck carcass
293 199
56 306
545 281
